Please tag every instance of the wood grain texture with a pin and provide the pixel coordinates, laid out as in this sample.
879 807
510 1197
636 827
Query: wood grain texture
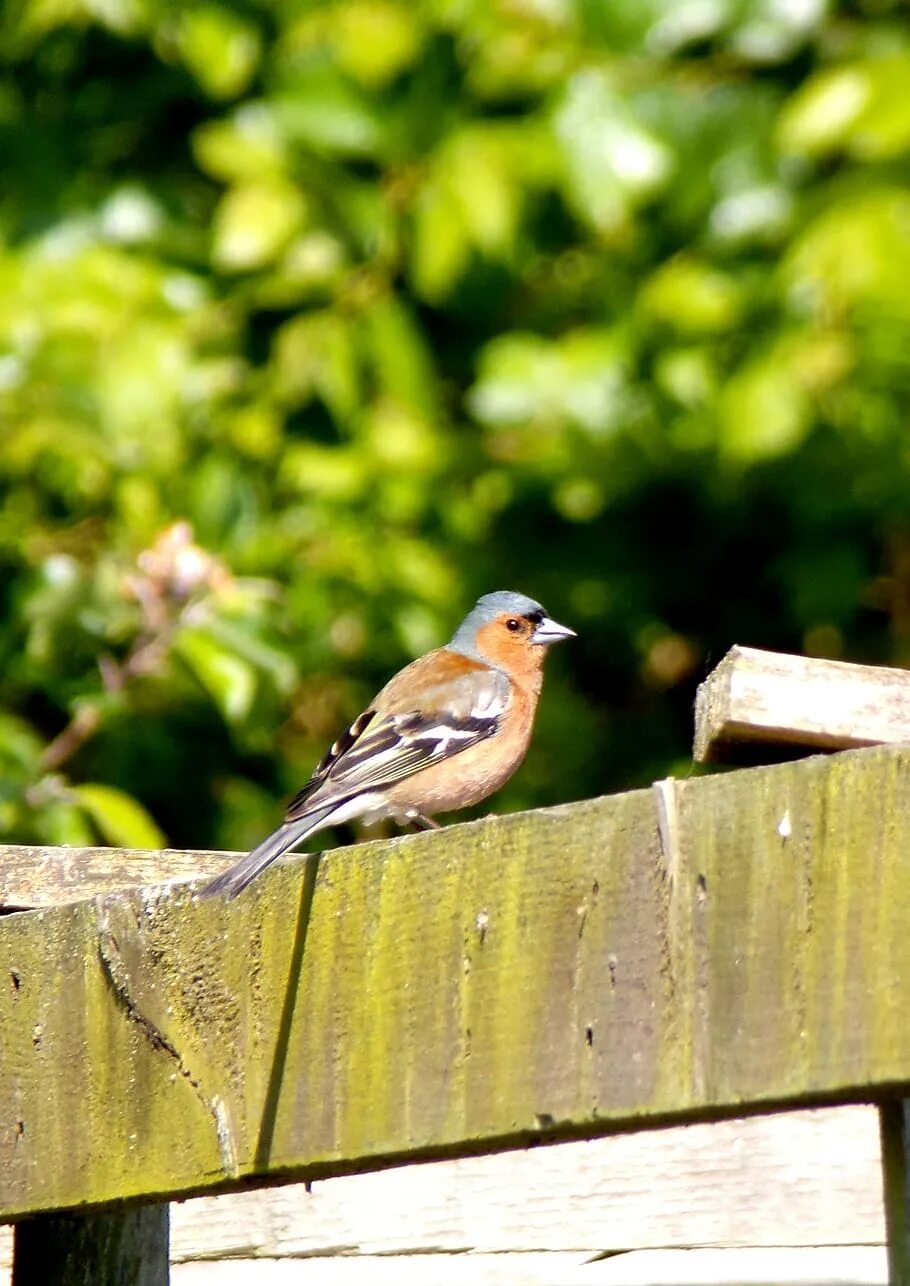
851 1266
529 978
33 877
762 699
787 1266
800 1178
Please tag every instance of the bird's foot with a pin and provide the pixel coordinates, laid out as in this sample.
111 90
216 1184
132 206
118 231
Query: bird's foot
424 823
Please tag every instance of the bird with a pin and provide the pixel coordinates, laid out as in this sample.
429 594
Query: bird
444 733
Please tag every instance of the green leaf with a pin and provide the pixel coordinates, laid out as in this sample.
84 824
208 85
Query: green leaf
320 109
441 249
862 108
764 411
255 222
612 161
219 48
857 251
401 357
576 380
68 824
20 748
334 473
245 146
252 647
693 296
767 408
375 40
315 353
228 678
477 169
121 819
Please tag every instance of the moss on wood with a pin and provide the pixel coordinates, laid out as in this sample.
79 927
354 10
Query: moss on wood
538 976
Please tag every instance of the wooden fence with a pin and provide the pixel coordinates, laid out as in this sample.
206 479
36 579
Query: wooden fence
713 947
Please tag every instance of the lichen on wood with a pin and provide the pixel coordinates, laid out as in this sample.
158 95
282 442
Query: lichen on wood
528 978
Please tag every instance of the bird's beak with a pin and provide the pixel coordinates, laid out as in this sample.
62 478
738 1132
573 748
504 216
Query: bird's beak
549 631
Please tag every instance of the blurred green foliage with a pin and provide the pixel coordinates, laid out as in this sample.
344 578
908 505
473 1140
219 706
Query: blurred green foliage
318 320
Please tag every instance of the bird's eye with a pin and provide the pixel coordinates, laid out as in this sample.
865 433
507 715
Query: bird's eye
513 624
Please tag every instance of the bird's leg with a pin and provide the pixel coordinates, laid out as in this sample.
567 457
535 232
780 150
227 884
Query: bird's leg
424 823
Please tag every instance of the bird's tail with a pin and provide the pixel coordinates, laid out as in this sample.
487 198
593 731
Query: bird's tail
235 879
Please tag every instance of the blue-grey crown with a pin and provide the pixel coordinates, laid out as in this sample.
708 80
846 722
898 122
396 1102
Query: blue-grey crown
486 609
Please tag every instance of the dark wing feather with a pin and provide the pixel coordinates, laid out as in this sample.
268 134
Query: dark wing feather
299 804
378 750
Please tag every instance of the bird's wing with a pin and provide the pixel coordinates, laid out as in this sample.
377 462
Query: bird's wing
379 749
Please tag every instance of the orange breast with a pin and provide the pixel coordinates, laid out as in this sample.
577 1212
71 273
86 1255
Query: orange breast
475 773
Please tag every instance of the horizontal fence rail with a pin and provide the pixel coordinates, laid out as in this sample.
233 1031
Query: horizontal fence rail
719 945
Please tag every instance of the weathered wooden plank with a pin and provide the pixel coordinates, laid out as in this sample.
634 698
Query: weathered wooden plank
802 1266
762 699
847 1266
532 977
795 1178
116 1248
34 877
798 1178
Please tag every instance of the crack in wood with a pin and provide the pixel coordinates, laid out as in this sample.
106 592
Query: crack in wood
117 976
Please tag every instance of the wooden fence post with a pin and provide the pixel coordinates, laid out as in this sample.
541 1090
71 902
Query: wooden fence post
764 700
895 1121
121 1248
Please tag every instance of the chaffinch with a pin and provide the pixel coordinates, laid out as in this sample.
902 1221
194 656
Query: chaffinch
445 732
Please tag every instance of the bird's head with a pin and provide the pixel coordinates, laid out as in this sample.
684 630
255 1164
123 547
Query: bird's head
510 631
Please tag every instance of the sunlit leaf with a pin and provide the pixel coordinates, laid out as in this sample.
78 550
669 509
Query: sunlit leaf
764 410
769 32
855 252
219 47
335 473
68 824
612 160
442 248
692 296
255 649
401 358
861 107
477 170
576 380
319 108
246 145
255 222
375 39
767 407
20 748
120 819
316 355
228 678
